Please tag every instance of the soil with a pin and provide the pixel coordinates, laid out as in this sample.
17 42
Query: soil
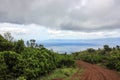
93 72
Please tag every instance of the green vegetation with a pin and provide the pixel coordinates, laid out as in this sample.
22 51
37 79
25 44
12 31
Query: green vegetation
28 62
31 61
63 73
108 57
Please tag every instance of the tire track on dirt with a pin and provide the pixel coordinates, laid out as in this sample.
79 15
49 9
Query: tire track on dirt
94 72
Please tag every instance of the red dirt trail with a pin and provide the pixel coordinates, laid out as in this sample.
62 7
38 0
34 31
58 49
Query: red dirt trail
93 72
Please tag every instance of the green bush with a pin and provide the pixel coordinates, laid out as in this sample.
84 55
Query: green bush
113 61
91 58
109 57
21 78
8 61
27 63
66 61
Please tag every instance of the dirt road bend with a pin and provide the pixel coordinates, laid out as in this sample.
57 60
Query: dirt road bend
94 72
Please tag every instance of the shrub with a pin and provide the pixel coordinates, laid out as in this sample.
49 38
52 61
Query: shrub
113 61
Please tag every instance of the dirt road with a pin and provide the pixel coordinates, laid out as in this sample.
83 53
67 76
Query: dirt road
94 72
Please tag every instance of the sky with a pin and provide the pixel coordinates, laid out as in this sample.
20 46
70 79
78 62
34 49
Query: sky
60 19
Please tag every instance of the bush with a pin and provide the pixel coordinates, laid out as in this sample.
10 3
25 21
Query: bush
20 62
8 61
91 57
113 61
66 61
21 78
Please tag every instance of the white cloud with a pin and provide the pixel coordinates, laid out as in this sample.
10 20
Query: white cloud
80 15
37 32
26 32
65 34
54 32
14 28
44 19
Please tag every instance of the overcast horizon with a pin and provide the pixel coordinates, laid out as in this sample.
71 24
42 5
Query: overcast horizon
60 19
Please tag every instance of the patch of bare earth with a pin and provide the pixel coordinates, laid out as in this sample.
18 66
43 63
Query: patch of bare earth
93 72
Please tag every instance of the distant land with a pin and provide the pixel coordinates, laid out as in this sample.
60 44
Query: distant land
73 45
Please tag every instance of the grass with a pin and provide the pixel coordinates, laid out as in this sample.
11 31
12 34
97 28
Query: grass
101 64
79 73
64 73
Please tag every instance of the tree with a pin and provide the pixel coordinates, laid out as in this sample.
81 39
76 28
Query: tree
28 44
107 48
8 36
91 50
118 47
5 45
32 42
11 59
41 46
36 45
2 39
19 46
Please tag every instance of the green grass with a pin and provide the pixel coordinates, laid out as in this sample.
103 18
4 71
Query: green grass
79 73
64 73
102 65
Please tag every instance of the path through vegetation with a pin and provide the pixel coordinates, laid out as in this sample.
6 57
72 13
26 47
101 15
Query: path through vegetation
93 72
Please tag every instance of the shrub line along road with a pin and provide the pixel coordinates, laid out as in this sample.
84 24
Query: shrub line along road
93 72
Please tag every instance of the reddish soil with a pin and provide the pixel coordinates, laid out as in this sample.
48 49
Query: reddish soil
94 72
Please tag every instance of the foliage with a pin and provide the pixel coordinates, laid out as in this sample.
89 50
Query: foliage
66 60
8 60
19 46
65 73
21 78
5 45
107 48
32 42
8 36
109 57
91 58
18 62
114 61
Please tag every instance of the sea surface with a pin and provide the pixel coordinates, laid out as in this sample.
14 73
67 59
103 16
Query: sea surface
73 45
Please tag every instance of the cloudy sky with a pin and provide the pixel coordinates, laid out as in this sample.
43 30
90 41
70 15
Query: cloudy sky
60 19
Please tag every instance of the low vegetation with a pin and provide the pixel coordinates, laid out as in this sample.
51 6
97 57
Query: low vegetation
108 57
32 61
63 73
27 62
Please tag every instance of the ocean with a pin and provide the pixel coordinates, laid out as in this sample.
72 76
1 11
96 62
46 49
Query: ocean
73 45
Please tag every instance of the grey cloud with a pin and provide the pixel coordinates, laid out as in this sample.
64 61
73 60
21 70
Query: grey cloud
76 15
